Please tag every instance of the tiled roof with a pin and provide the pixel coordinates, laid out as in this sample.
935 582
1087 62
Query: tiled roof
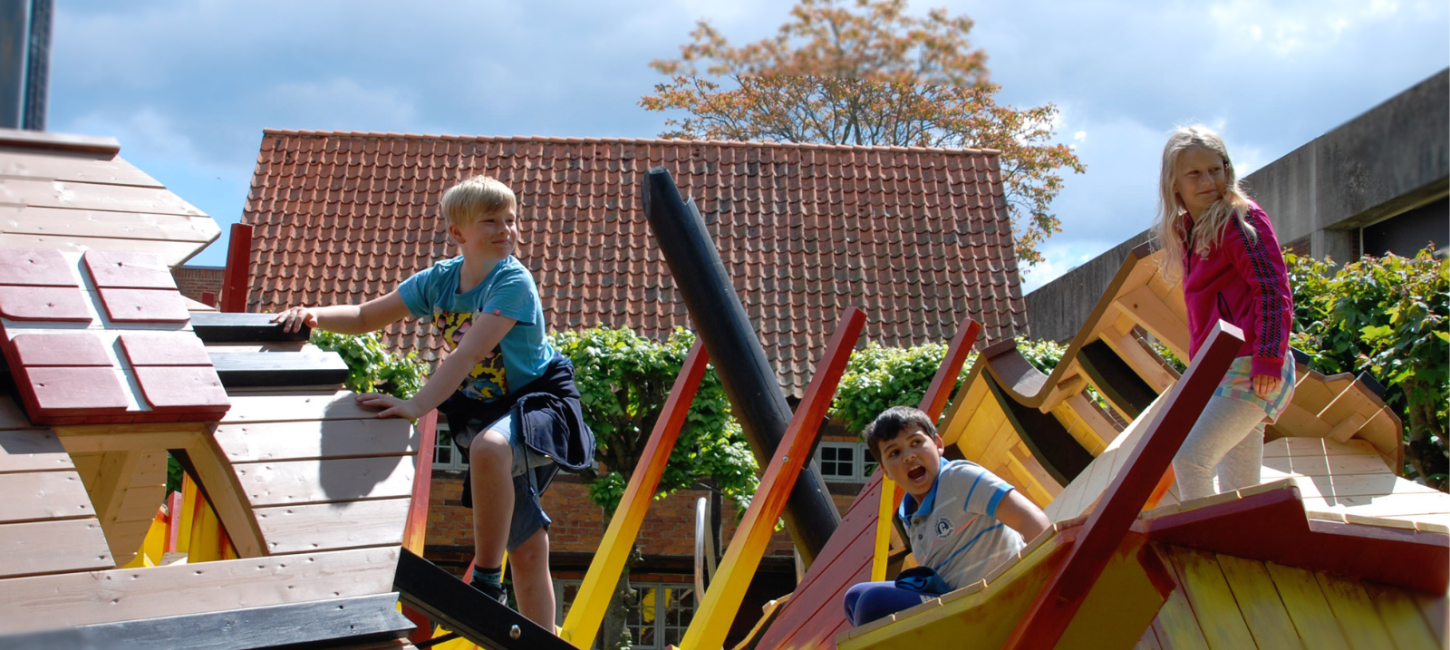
918 238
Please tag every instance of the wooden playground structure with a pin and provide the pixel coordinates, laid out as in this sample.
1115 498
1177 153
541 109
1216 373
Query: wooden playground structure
301 516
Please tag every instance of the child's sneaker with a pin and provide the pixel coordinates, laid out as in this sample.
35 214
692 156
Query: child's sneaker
493 591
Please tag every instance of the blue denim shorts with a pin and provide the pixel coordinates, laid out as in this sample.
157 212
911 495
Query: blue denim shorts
531 472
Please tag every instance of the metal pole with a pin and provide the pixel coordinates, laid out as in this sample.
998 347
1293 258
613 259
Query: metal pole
715 309
12 62
37 65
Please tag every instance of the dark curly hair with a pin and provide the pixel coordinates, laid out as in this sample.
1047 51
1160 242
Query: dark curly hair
891 423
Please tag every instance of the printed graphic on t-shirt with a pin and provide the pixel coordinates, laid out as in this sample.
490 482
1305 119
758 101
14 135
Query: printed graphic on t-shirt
487 381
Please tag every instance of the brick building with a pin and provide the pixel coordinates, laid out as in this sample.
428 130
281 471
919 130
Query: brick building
199 282
918 238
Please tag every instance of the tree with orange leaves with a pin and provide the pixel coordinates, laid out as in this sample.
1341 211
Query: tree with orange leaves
866 73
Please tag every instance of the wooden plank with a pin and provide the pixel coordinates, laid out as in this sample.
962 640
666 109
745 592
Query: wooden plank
461 608
28 192
240 327
53 547
109 224
1403 621
1259 602
44 602
92 439
1305 602
43 495
141 502
1148 642
1213 601
223 488
12 415
291 406
173 253
88 466
1355 611
312 439
966 407
1384 432
1337 465
308 481
277 369
109 489
1436 613
32 450
1150 312
1144 363
74 167
125 539
332 526
1176 626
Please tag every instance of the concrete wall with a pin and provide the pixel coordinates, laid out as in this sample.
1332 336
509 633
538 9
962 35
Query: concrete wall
1393 158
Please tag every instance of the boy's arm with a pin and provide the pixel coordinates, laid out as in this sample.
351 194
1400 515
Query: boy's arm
1022 515
478 344
370 316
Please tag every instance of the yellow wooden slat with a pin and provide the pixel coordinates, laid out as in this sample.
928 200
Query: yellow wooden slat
1403 620
1213 602
1259 602
1178 626
1307 607
1356 613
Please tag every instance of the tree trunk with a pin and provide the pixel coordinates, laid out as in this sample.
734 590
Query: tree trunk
614 635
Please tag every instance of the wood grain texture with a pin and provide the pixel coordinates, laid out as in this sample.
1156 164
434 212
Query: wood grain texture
87 196
32 450
1213 601
332 526
77 167
64 546
1403 620
1259 602
292 406
45 602
276 441
43 495
1307 607
1356 613
348 479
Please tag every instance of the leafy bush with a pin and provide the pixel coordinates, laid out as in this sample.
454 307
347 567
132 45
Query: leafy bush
1043 355
1387 316
373 368
878 378
624 380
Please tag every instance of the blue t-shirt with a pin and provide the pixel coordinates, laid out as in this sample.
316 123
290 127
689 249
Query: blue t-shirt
508 290
954 529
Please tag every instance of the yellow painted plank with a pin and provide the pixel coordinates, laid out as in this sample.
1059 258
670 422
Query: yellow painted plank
1434 609
1307 607
1213 602
1356 613
1403 620
1259 602
1177 626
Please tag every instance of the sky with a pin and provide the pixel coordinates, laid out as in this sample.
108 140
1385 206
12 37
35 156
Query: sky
188 87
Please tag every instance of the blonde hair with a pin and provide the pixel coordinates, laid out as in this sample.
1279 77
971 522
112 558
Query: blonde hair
1169 229
476 197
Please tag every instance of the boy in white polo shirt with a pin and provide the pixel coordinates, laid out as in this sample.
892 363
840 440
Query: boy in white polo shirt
962 520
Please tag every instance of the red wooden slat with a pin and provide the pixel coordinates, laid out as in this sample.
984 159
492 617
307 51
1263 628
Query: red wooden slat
36 268
44 303
144 305
415 532
125 270
164 349
60 349
1045 621
238 274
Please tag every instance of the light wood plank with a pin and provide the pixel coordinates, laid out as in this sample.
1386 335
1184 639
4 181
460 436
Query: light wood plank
1149 641
43 495
55 222
308 481
1149 311
53 547
1356 613
316 439
32 450
1436 613
74 167
1403 620
109 490
225 492
141 502
1337 465
1259 601
172 253
1144 363
88 466
1299 423
12 415
1213 602
125 539
290 407
330 526
1177 626
28 192
37 603
128 437
1305 602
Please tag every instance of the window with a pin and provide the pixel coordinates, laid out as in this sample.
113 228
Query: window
845 461
659 617
445 455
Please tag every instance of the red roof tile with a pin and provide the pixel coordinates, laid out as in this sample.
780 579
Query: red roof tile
918 238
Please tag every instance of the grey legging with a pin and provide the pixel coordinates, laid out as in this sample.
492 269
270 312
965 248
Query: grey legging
1228 439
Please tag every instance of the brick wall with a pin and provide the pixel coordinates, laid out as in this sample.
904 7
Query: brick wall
193 280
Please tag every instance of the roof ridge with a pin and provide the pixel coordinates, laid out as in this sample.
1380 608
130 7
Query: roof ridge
390 135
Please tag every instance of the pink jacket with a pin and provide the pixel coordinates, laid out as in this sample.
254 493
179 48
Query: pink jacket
1245 283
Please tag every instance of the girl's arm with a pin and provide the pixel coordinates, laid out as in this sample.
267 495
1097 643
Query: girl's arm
1260 263
370 316
478 344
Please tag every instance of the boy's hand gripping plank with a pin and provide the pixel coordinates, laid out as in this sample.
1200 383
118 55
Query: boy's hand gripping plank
478 344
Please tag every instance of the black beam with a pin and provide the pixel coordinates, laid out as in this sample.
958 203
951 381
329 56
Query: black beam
37 65
319 624
241 369
1059 453
465 610
220 327
759 405
1115 379
12 62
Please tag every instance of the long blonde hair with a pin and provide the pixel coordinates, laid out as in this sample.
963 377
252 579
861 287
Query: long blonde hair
1208 228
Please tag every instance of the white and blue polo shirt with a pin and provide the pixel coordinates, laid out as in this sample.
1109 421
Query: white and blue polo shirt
954 531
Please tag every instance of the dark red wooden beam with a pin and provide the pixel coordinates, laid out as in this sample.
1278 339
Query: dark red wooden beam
237 278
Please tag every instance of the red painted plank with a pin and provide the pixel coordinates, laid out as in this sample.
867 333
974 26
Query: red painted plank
237 277
1048 617
117 269
164 349
44 303
72 391
74 349
36 268
1272 527
816 613
183 388
415 532
144 305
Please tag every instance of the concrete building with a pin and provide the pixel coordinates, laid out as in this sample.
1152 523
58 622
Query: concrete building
1377 184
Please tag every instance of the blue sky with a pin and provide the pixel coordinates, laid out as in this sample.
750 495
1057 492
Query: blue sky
188 87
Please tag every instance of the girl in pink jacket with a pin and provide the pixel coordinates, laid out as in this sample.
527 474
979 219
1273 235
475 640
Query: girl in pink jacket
1223 248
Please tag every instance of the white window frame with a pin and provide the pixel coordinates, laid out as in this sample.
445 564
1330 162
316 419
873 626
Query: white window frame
661 619
443 444
861 466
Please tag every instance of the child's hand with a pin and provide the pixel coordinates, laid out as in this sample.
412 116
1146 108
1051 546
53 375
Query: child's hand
293 319
392 406
1264 384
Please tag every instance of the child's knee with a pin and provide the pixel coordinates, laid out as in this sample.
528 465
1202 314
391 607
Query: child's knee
490 449
534 552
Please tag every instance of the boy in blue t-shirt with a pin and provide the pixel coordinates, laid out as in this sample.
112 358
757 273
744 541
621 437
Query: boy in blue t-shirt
509 397
962 520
